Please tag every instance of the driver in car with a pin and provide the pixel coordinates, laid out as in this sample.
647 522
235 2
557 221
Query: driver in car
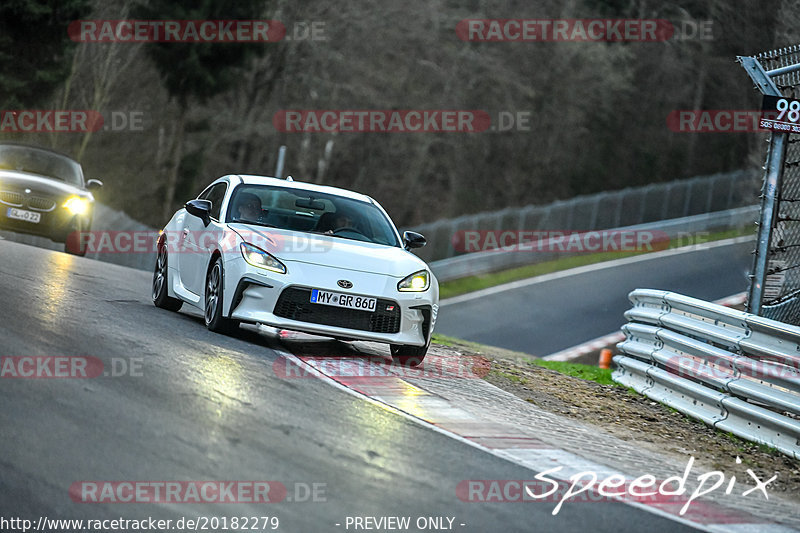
248 207
342 220
331 222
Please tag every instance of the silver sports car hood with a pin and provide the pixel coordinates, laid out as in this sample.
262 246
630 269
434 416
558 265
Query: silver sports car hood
336 252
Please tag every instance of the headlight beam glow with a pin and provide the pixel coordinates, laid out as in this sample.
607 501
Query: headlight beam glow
77 205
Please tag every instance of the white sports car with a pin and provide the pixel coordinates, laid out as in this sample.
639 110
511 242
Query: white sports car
301 257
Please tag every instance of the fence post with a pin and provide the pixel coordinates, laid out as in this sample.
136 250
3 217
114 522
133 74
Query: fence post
770 191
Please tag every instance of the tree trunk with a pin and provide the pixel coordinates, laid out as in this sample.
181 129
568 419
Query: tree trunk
697 103
177 156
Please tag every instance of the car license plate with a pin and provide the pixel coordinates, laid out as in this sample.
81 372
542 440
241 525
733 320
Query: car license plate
349 301
21 214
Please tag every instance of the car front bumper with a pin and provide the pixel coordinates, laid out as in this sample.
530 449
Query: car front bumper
254 295
55 225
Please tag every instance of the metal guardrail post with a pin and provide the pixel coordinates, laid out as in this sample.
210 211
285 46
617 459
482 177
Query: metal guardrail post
771 189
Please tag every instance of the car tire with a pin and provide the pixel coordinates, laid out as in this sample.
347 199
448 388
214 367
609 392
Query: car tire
160 292
405 355
73 244
213 297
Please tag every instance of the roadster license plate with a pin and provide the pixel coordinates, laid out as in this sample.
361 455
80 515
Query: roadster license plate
350 301
21 214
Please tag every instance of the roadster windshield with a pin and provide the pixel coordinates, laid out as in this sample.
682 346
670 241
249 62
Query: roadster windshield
312 212
41 162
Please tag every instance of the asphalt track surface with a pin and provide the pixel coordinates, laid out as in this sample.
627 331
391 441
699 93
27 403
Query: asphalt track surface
544 318
201 406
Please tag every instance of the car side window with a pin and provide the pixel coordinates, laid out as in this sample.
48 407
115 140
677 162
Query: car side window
215 194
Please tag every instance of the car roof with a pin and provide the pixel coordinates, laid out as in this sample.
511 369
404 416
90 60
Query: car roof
300 185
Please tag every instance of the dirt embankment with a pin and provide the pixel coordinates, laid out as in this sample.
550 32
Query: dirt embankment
632 417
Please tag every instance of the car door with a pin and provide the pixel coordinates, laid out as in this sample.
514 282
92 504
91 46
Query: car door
198 240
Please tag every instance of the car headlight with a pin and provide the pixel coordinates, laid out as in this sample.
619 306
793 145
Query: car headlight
77 205
416 282
261 259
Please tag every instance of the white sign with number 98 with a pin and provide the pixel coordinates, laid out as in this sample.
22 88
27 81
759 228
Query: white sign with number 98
791 110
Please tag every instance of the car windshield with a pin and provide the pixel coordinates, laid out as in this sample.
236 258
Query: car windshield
41 162
311 212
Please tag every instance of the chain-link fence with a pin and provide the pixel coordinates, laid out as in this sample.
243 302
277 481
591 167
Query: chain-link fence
627 207
781 299
775 290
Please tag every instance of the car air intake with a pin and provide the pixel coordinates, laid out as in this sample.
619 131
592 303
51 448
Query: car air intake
294 303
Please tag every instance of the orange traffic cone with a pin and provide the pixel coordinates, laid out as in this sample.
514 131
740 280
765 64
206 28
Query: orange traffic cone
605 358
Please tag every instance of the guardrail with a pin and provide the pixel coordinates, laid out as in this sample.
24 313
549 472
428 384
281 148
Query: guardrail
601 211
735 371
476 263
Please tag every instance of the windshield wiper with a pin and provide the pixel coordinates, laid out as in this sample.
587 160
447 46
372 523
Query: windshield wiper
326 233
255 222
340 236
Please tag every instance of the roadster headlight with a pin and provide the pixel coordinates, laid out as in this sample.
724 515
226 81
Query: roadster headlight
77 205
261 259
416 282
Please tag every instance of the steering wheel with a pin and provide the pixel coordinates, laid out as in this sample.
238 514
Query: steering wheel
350 229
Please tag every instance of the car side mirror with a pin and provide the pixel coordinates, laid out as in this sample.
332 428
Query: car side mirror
412 239
201 209
93 185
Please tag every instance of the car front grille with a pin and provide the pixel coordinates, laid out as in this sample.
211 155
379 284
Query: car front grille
294 303
37 203
41 204
11 198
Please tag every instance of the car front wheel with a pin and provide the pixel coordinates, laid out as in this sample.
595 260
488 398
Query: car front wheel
213 300
160 297
75 244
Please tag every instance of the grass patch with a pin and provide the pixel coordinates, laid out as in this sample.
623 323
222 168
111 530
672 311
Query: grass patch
587 372
746 446
444 340
511 377
456 287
